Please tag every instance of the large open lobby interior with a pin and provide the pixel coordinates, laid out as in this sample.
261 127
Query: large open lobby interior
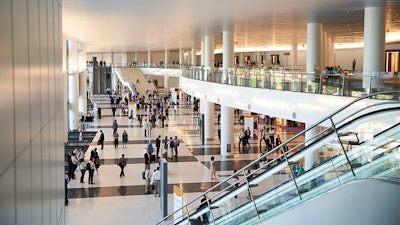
200 112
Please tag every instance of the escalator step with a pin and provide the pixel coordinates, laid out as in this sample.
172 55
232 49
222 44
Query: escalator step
355 165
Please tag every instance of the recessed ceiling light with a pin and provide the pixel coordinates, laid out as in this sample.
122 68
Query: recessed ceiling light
348 11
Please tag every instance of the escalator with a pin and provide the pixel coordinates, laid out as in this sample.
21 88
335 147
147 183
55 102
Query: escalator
346 146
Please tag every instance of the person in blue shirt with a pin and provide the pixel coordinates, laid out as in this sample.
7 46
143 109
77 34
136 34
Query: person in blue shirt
150 148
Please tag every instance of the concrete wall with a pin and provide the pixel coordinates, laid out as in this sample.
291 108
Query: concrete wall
367 202
32 112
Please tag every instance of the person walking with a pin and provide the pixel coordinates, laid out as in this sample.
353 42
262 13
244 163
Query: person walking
122 165
82 167
147 180
116 136
96 159
147 158
145 127
155 179
115 125
212 168
176 144
91 169
158 145
101 139
124 139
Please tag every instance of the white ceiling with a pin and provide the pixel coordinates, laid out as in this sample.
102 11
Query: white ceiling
157 25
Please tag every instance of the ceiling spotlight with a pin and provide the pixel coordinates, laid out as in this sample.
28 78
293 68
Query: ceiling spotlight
348 11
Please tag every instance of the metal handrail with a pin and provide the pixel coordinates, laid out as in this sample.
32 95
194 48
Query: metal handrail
285 143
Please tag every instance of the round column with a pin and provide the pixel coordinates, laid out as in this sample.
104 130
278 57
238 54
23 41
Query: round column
82 93
180 56
166 56
311 157
208 120
228 53
194 57
202 54
166 86
313 48
227 131
73 101
209 50
374 46
294 54
149 59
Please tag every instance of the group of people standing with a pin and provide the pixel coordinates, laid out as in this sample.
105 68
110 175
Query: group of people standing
77 164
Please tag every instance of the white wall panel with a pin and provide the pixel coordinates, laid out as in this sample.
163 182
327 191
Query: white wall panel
32 162
34 67
36 173
23 188
6 88
21 75
7 196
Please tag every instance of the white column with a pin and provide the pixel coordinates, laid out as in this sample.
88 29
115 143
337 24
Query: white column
227 53
311 157
258 56
180 56
73 101
166 56
209 50
148 59
166 86
294 54
82 93
201 106
241 58
202 53
227 132
208 120
374 45
313 48
193 57
332 51
135 60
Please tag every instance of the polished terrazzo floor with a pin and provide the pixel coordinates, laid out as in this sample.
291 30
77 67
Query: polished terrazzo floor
115 200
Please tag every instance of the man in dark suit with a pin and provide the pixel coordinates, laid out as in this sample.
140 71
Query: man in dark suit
101 139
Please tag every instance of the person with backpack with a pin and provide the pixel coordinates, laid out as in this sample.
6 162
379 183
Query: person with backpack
82 167
90 167
171 147
176 144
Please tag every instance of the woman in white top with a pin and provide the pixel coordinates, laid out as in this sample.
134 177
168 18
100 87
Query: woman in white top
212 168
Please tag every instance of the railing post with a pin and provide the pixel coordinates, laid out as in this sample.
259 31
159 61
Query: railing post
291 172
341 144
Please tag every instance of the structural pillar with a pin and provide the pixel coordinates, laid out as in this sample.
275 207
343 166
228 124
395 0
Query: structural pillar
294 55
374 47
180 56
209 120
228 53
194 57
73 101
166 56
311 157
149 59
82 93
202 59
227 132
313 49
166 86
